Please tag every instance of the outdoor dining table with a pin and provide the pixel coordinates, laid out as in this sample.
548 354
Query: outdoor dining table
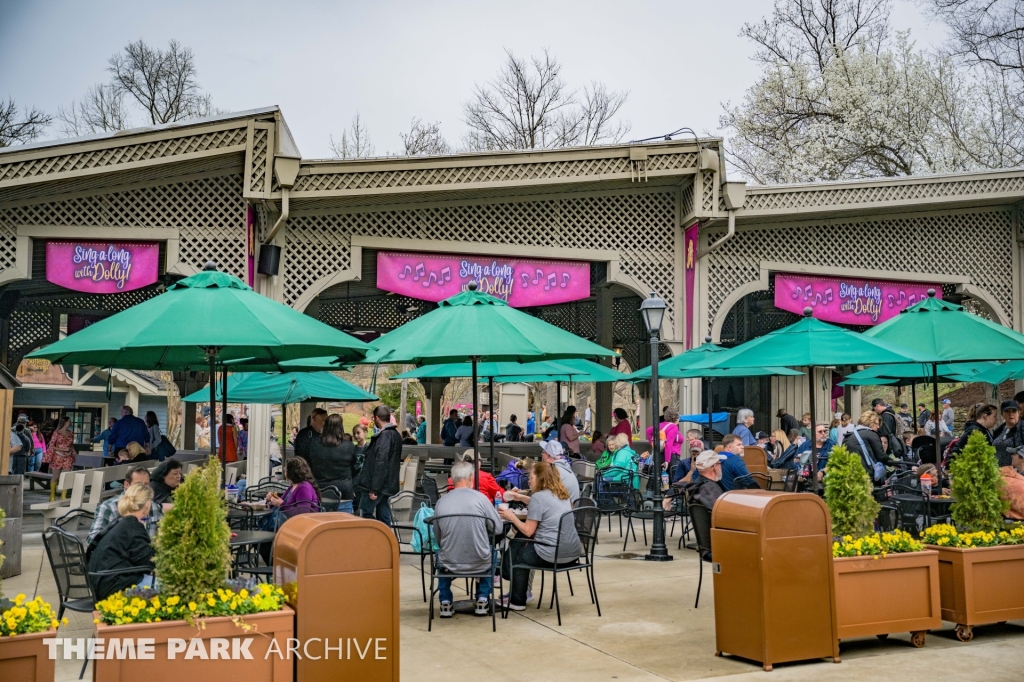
245 538
931 506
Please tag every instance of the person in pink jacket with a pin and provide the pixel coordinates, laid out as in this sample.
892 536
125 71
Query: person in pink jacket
671 438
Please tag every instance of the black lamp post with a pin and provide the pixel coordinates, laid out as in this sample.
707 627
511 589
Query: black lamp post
653 311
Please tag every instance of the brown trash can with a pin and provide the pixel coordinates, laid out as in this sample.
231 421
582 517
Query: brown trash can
340 573
756 459
774 596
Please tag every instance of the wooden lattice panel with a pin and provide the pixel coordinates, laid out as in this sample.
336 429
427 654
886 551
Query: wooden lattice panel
574 169
839 195
111 157
209 213
984 251
640 226
258 168
686 200
708 192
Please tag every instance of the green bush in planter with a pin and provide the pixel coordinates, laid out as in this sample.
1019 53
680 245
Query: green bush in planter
193 551
848 494
977 486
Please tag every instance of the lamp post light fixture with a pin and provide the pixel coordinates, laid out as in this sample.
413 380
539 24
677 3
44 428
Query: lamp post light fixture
653 311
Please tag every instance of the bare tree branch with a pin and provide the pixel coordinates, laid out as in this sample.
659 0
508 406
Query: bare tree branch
354 143
424 139
20 128
162 82
102 110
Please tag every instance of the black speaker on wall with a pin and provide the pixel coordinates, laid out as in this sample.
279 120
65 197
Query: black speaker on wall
270 260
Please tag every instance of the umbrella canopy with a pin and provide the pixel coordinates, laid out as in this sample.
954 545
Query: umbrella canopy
209 310
485 370
915 373
948 333
998 373
679 362
580 372
473 324
281 389
811 342
715 373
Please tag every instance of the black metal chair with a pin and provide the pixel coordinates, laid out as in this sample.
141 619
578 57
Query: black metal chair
429 485
241 517
77 522
888 518
582 523
404 506
643 509
457 540
763 480
259 492
790 480
701 517
613 487
330 498
587 490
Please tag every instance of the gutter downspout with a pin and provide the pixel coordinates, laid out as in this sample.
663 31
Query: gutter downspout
728 235
283 217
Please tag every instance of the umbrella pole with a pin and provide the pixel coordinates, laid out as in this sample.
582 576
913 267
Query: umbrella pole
711 431
224 421
211 355
558 409
494 423
935 415
476 428
913 408
814 437
284 435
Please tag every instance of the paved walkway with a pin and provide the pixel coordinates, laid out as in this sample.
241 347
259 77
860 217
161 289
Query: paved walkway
649 630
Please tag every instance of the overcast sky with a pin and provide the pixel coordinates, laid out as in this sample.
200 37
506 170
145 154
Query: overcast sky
321 62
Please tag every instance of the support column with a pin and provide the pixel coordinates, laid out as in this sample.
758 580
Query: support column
132 400
258 460
643 393
605 392
305 412
189 426
852 400
434 390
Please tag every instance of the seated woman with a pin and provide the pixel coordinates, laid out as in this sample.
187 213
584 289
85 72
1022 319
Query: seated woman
166 479
549 501
302 497
125 545
624 460
332 460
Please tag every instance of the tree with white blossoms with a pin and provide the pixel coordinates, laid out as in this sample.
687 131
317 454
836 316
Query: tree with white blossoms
843 96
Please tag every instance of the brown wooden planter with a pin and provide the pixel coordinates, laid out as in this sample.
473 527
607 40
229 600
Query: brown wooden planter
865 586
978 586
263 628
26 659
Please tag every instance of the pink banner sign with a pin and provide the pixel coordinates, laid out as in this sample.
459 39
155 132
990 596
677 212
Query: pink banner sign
848 300
521 283
690 240
102 267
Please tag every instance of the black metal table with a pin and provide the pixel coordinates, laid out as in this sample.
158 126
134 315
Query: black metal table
931 506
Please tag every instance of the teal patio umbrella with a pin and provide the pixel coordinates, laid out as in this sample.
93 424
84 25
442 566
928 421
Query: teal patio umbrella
479 327
207 321
812 343
949 333
914 373
284 389
1000 372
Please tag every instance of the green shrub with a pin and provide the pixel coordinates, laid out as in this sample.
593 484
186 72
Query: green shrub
977 486
848 494
193 552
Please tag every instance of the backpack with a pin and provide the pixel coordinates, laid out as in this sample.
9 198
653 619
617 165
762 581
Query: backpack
422 529
448 430
604 461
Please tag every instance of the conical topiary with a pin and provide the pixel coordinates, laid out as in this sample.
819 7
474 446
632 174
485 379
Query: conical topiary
977 486
193 552
848 494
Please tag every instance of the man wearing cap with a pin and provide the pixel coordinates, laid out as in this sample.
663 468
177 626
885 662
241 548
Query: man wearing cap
904 414
551 452
923 415
708 487
685 467
1009 432
787 422
888 426
947 413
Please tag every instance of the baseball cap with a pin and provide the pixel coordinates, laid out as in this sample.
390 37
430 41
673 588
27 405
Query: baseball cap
696 444
23 417
552 447
947 401
1008 405
707 459
760 435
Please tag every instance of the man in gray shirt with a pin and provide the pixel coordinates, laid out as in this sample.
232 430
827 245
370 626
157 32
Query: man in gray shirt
947 413
552 453
465 545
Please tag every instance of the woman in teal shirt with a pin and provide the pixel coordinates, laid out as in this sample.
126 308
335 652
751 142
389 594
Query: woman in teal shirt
421 431
623 459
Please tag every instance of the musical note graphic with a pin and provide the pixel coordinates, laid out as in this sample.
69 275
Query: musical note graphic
552 282
404 273
421 272
446 274
526 280
828 295
807 291
538 276
902 298
817 299
430 280
892 300
565 280
910 301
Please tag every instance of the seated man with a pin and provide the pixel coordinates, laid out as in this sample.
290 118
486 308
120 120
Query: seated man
824 443
107 515
735 475
476 555
1011 464
513 431
708 487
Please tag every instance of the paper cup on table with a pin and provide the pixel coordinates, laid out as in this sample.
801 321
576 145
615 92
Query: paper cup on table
503 505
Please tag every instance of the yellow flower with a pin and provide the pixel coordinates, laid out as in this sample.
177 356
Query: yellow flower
191 606
173 601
